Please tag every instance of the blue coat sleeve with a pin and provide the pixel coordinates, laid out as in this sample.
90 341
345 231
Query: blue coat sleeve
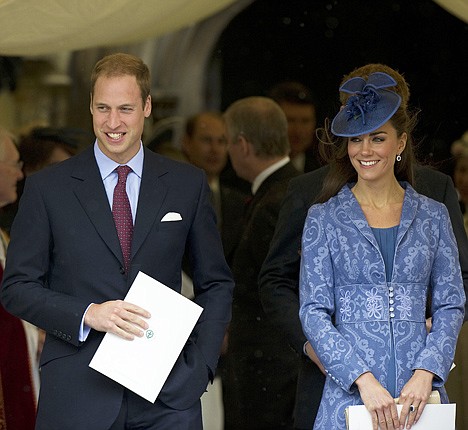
448 303
317 303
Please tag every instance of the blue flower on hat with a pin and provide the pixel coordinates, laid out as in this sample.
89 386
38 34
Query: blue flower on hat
371 103
358 105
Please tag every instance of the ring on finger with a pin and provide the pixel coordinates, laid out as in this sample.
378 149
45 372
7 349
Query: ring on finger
413 408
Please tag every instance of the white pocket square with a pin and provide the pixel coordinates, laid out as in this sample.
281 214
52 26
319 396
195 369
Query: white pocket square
171 216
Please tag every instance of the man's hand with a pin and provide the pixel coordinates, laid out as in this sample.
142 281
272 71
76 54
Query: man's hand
118 317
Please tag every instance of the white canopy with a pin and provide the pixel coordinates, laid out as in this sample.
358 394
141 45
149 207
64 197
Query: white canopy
458 8
38 27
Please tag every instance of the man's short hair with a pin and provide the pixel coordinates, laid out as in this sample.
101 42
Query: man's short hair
192 121
121 64
292 92
262 122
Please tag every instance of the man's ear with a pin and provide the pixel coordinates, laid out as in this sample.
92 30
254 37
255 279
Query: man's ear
91 103
148 107
245 145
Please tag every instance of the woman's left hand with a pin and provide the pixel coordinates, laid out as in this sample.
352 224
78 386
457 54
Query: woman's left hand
414 397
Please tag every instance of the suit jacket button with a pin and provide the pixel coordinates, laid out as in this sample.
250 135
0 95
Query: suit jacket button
122 270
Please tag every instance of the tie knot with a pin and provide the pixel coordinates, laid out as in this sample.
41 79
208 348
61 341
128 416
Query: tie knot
123 172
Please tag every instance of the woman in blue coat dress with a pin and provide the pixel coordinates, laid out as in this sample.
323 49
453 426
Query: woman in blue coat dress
374 253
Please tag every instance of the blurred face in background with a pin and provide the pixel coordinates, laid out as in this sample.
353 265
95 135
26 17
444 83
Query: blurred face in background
206 148
301 125
10 173
460 177
58 154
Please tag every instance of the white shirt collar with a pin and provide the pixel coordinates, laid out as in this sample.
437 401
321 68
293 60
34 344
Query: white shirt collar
299 161
214 185
107 166
267 172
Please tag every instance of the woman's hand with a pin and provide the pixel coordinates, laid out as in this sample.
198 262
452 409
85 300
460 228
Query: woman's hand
414 397
313 357
378 402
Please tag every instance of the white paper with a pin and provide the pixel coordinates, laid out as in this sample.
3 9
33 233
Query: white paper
434 417
143 364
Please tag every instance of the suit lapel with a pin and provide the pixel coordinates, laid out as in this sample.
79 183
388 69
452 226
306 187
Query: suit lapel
90 191
153 192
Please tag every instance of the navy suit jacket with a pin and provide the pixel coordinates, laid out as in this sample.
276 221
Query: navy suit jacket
65 254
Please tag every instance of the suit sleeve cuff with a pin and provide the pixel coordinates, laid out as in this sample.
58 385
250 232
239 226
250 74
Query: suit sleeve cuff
84 329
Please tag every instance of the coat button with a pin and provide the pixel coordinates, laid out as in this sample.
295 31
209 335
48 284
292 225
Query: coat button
122 270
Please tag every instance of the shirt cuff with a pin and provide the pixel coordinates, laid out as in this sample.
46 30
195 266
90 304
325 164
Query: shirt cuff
84 329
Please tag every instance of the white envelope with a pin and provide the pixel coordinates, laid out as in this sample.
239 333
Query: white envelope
434 417
143 364
171 216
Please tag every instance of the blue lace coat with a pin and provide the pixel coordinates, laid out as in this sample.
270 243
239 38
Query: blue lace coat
351 313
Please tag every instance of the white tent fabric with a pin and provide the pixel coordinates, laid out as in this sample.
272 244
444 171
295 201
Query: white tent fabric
38 27
458 8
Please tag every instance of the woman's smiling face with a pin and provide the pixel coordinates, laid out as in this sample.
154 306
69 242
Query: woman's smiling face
373 154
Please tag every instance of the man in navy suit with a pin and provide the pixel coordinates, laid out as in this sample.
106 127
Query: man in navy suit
66 271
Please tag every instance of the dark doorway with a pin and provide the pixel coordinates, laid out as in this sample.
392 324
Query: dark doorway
318 41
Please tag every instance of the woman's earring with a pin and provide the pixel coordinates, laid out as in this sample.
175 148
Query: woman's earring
398 157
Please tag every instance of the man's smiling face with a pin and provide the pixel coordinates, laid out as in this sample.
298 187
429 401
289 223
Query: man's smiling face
118 116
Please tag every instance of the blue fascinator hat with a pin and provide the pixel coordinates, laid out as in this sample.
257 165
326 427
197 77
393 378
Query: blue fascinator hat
370 106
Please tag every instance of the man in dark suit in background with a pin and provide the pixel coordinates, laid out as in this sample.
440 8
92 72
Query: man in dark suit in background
300 107
279 277
262 369
205 145
70 263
